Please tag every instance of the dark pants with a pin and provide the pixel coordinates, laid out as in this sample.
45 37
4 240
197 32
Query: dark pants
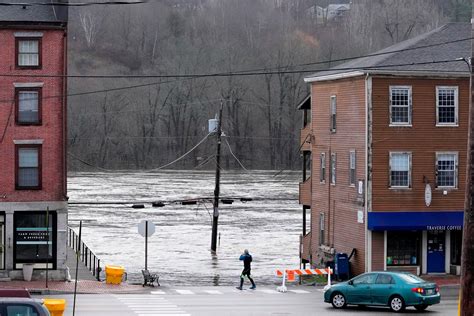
246 272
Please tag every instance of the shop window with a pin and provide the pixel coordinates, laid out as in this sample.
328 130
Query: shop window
456 245
403 248
35 238
28 167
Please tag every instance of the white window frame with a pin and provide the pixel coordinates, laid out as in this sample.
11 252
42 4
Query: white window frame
322 168
410 106
333 165
392 153
456 106
456 169
352 166
333 113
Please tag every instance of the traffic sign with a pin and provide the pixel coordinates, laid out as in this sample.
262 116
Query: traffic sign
144 230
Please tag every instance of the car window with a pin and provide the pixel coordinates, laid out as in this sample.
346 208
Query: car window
21 310
410 278
365 279
384 279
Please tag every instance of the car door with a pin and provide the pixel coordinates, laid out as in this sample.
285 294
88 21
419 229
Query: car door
359 289
382 289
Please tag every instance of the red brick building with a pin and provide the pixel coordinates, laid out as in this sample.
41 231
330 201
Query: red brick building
385 146
33 204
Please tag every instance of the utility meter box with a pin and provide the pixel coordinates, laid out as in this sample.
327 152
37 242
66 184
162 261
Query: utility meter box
341 266
213 123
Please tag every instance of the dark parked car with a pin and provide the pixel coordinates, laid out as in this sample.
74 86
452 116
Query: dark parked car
396 290
18 302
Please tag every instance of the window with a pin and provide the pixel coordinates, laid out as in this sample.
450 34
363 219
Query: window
333 168
28 171
400 105
307 158
400 169
403 248
446 170
333 114
321 229
446 106
322 168
35 238
365 279
352 168
21 310
28 52
28 106
384 279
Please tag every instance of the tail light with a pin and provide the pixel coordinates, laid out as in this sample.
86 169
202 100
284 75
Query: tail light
418 290
437 289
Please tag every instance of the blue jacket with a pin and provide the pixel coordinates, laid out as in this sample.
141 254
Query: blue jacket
247 260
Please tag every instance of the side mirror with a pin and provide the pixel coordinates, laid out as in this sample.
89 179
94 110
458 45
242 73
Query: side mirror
350 283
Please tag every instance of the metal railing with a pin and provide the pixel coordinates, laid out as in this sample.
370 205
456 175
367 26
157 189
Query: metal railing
90 260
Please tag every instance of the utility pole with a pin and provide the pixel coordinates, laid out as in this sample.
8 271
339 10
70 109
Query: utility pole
467 259
215 217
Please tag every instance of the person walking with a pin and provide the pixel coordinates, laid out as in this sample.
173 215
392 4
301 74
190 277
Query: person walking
247 259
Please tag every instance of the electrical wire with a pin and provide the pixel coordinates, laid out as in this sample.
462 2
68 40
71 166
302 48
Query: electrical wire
229 74
69 4
147 170
7 122
233 155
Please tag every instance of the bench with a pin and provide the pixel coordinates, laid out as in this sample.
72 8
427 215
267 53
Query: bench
150 278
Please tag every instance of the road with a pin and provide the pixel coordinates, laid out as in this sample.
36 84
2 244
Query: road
205 301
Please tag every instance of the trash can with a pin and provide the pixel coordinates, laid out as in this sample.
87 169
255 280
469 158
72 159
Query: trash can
114 274
55 306
341 266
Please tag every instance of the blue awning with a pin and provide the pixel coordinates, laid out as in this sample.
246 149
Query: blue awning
416 220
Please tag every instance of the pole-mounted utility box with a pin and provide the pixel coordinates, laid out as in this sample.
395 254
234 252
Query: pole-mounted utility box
213 123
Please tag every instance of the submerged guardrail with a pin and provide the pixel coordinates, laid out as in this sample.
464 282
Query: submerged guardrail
90 260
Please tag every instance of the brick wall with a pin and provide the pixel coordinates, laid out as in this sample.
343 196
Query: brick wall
338 202
51 130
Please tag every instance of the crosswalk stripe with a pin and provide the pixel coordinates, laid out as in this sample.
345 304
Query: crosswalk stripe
213 292
158 292
299 291
268 291
165 314
185 292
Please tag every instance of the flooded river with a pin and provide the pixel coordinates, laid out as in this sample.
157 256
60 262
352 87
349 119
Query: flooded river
269 225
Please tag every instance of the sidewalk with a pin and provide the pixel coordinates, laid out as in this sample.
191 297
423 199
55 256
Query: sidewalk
83 287
443 280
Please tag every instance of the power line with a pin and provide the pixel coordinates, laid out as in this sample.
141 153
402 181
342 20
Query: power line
235 157
68 4
189 77
235 73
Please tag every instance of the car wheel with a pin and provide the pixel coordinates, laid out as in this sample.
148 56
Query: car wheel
396 304
421 307
338 300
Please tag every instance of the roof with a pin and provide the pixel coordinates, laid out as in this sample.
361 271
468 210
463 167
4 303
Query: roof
406 58
29 14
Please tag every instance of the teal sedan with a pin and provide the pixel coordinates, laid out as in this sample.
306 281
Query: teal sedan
396 290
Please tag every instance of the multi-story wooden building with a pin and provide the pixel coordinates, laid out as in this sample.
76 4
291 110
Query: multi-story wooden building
33 199
387 138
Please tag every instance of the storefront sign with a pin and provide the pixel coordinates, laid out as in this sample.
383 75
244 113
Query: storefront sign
360 217
444 227
32 236
428 194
